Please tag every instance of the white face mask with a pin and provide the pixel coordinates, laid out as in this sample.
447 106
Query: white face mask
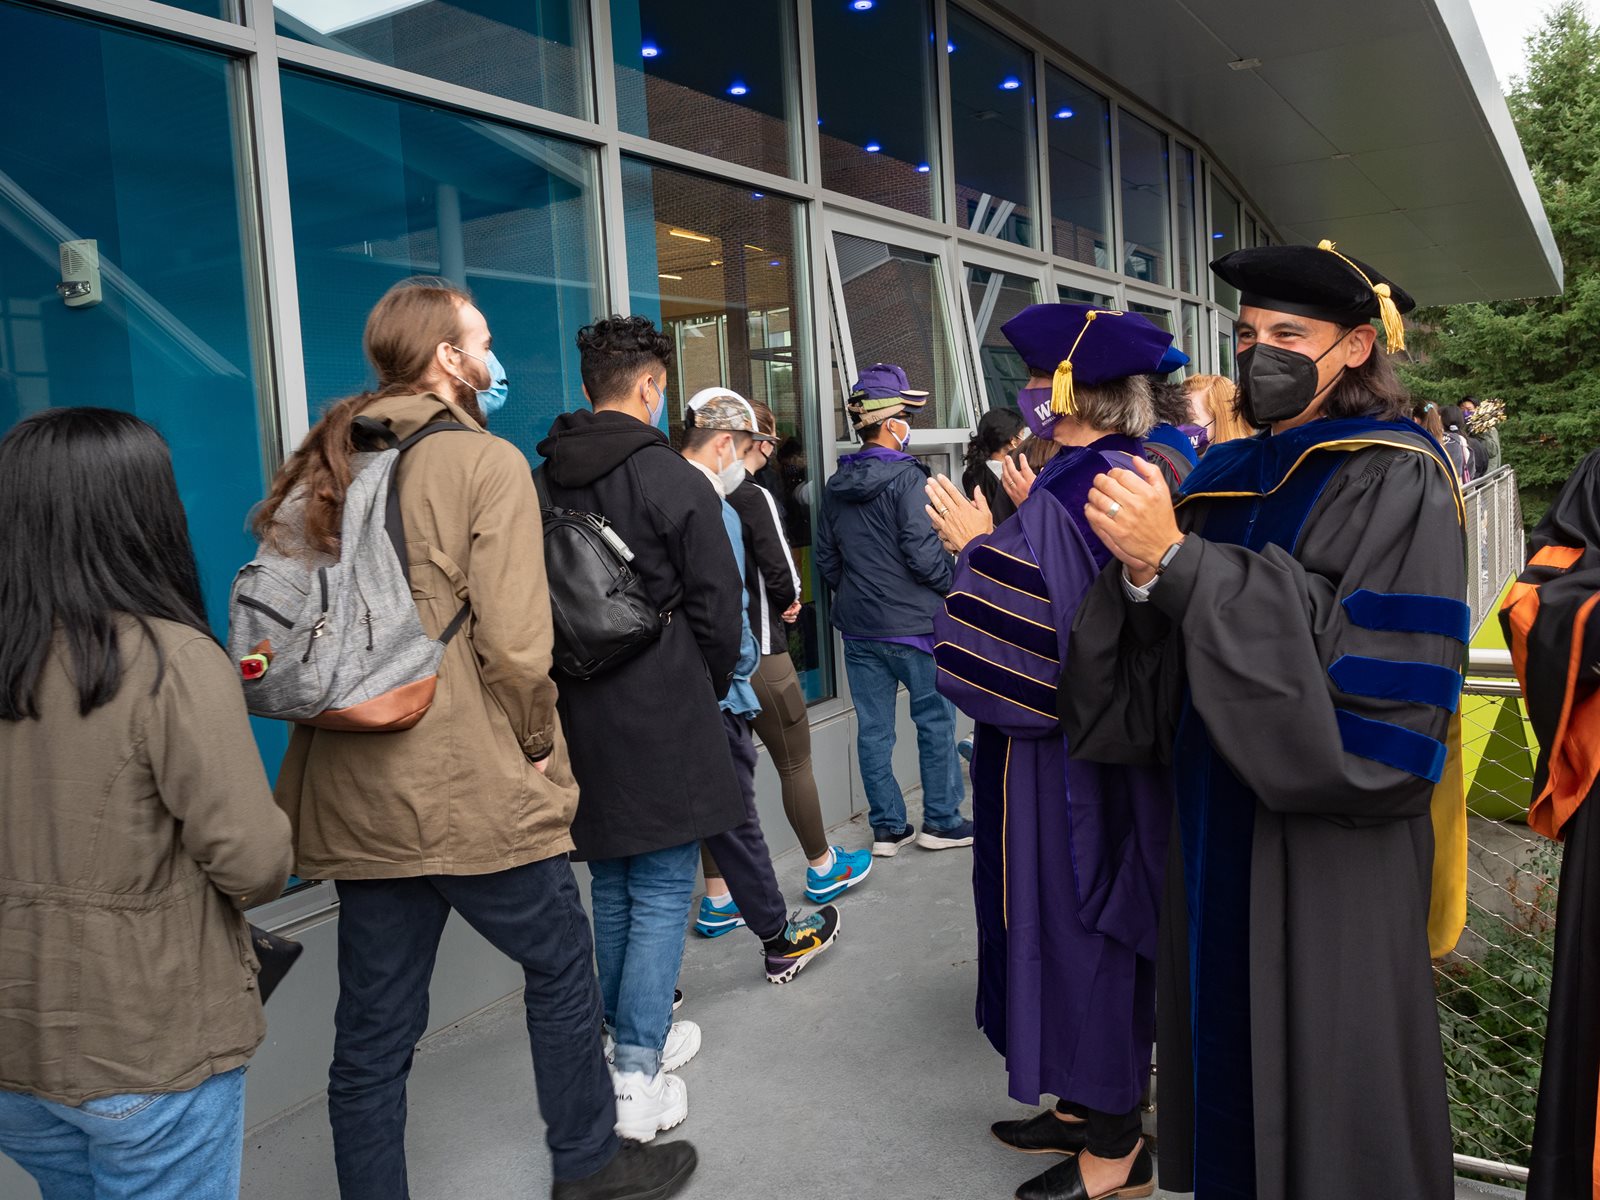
732 475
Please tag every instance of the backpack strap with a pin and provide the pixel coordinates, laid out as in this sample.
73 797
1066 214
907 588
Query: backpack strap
543 489
395 526
392 523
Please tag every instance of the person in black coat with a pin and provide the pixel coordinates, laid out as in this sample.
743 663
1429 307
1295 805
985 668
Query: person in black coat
1001 432
646 738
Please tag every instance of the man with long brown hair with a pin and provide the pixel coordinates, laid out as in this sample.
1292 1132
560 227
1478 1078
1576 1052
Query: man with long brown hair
469 810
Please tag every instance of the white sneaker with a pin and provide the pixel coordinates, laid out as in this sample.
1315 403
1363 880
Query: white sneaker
646 1106
683 1043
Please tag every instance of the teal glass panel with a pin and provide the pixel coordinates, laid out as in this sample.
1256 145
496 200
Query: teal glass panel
382 189
715 76
531 51
135 169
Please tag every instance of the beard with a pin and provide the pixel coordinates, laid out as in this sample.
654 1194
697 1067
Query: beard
466 398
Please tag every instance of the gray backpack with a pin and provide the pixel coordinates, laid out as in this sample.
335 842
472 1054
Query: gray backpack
338 643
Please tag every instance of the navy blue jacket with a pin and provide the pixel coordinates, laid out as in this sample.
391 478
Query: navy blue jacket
876 547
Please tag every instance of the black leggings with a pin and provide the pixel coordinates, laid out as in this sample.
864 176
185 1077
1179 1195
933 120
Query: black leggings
1111 1135
785 730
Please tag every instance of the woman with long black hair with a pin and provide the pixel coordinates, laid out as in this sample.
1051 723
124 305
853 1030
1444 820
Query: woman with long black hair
136 825
1000 432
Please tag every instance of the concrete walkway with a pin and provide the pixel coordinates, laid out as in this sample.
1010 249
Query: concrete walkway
863 1077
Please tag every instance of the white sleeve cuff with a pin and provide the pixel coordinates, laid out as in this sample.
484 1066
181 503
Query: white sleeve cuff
1136 593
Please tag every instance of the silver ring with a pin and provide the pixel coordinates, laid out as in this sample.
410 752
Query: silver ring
1113 510
943 511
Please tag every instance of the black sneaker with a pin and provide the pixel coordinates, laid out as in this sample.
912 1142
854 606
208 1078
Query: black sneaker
800 942
887 840
959 834
637 1173
1043 1133
677 999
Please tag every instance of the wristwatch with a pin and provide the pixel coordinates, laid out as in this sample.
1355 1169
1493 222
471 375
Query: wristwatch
1166 559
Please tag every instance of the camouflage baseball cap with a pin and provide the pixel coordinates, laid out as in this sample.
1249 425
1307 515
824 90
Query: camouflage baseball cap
721 408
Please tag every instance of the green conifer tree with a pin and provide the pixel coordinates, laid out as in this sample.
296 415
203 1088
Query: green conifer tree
1541 356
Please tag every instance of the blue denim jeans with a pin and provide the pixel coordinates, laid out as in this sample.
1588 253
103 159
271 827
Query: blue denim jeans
641 916
139 1146
876 670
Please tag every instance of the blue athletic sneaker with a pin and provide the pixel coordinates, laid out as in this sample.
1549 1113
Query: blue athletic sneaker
713 921
964 748
850 867
945 839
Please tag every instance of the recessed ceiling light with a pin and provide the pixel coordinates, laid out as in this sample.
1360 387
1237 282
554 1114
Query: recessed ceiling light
650 50
949 47
1064 114
872 147
861 5
1010 83
1217 237
737 88
758 195
923 168
777 262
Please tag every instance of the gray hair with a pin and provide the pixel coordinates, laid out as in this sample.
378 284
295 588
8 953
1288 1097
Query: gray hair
1125 406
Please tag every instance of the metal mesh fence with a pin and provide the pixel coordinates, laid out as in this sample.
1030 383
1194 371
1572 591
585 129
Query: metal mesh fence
1494 990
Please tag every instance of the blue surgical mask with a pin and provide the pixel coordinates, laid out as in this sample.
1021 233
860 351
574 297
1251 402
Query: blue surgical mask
492 398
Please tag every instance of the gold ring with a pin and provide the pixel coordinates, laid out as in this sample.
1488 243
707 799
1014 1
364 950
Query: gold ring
943 511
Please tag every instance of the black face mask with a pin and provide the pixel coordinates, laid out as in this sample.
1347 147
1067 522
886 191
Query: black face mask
1279 385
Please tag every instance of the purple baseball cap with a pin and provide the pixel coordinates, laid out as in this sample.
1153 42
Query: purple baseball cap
883 391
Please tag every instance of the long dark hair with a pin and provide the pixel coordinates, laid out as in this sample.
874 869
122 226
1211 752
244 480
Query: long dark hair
997 429
90 527
1370 390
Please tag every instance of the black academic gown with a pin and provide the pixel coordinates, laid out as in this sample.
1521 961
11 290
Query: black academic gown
1300 660
1555 640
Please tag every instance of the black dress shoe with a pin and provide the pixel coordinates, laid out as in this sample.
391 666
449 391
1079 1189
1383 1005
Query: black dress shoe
1044 1133
638 1172
1064 1181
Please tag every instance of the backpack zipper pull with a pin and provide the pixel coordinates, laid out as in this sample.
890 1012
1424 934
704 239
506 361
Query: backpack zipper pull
367 621
316 632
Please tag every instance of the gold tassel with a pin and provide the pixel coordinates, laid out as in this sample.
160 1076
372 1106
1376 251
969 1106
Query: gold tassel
1061 402
1061 399
1394 326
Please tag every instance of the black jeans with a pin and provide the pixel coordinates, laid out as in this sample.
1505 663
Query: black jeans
389 933
741 853
1111 1135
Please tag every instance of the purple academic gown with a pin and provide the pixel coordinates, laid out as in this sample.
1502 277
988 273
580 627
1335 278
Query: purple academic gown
1069 857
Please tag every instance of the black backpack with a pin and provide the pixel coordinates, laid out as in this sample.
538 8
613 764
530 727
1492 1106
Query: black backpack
601 613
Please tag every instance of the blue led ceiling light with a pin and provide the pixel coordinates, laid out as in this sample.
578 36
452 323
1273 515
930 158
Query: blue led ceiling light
738 88
777 262
861 5
1064 114
949 47
1217 237
649 50
758 195
872 147
923 168
1010 83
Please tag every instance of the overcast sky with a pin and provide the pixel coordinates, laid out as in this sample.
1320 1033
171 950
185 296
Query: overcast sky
1507 23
